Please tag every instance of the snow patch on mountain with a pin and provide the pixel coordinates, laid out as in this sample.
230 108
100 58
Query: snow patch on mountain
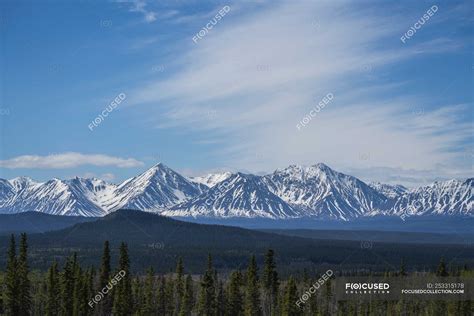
211 179
322 192
390 191
240 195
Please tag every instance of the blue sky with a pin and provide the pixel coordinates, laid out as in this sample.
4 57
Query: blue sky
402 112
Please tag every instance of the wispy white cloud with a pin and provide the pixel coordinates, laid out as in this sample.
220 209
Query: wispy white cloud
140 6
104 176
260 74
67 160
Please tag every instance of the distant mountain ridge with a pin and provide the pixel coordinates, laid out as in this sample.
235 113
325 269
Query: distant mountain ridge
315 191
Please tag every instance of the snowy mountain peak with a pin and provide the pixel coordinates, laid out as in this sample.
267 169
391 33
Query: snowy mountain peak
212 179
153 190
296 191
322 166
240 195
320 191
20 183
390 191
320 170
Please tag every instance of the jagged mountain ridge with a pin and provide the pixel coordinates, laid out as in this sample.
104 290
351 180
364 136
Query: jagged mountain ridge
316 191
390 191
320 191
154 190
240 195
452 197
76 197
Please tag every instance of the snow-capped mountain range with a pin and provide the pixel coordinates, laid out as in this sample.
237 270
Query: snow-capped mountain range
294 192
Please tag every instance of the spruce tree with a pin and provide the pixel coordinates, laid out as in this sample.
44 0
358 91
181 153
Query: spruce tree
12 285
179 284
24 296
123 300
441 271
105 305
170 299
105 266
270 283
67 288
148 307
161 297
78 276
291 297
83 297
207 295
89 290
187 301
328 295
252 293
234 302
220 300
53 292
137 294
402 269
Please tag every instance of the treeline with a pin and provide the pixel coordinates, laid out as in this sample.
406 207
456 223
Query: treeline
78 291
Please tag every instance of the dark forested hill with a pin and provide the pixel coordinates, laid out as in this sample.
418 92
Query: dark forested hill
36 222
158 241
376 235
